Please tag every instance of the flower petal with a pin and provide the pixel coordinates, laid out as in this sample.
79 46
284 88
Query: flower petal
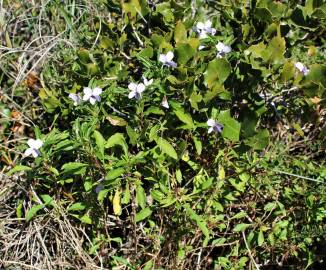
87 91
200 26
210 130
172 64
98 98
138 95
227 49
208 24
220 46
92 100
74 97
35 153
299 66
132 86
132 94
162 58
140 88
37 144
203 34
31 142
165 103
147 82
211 122
28 151
97 91
169 56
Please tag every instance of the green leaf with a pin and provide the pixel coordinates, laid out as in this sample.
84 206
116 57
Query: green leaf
288 71
256 50
19 168
317 75
126 195
198 145
123 261
184 53
75 168
132 7
239 215
19 209
33 211
141 196
259 141
116 120
270 206
116 203
79 206
88 185
115 173
184 117
231 127
117 139
166 147
241 227
133 136
166 10
261 238
47 199
218 69
146 53
100 142
86 219
180 33
154 110
144 213
275 50
201 223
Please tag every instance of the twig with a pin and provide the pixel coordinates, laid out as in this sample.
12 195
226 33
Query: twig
299 176
249 251
20 263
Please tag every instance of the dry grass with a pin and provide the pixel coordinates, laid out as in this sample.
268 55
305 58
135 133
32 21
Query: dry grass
29 38
47 242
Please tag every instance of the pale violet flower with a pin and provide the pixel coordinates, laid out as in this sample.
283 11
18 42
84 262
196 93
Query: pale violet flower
99 188
214 126
147 82
136 90
92 95
203 29
166 59
165 103
76 98
34 146
222 49
302 68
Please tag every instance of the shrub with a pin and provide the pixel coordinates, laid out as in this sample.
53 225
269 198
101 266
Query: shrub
216 162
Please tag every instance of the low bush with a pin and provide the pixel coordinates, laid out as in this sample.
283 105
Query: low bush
183 134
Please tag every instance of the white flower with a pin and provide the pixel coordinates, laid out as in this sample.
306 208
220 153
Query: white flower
165 103
166 59
302 68
201 47
34 146
205 28
214 126
77 99
222 49
147 82
92 95
136 90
